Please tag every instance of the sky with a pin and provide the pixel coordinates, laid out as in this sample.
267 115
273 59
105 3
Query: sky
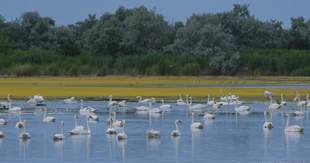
70 11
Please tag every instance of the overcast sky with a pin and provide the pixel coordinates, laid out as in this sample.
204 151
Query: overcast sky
70 11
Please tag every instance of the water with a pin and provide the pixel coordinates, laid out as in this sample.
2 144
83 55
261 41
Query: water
226 139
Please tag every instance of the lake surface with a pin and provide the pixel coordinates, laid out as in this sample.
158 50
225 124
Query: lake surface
228 138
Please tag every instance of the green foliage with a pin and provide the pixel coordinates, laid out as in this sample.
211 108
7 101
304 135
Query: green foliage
140 41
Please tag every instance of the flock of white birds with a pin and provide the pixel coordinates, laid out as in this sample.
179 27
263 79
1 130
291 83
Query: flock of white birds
117 127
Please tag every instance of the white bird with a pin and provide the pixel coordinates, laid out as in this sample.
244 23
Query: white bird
47 119
208 116
1 134
299 113
196 125
115 122
152 133
111 130
70 100
80 130
122 103
209 101
164 107
267 124
307 99
3 122
24 135
217 105
122 135
92 117
180 101
176 132
273 106
60 136
13 108
292 128
243 109
142 109
268 94
196 107
283 102
20 123
145 101
86 110
111 102
300 102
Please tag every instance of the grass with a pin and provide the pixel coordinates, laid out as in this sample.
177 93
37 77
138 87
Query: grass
129 87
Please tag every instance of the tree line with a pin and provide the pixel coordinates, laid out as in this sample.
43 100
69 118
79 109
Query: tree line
140 41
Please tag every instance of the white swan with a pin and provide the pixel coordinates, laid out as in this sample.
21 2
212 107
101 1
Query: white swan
267 124
208 115
300 102
243 109
122 135
217 105
176 132
80 130
142 109
145 101
283 102
111 130
273 106
60 136
115 122
24 135
86 110
196 125
47 119
299 113
1 134
20 123
164 107
122 103
180 101
3 122
152 133
292 128
70 100
111 102
196 107
93 117
307 99
209 101
13 109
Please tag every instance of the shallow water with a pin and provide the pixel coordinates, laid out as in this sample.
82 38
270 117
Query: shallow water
226 139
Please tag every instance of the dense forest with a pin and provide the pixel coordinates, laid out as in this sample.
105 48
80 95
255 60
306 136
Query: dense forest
140 41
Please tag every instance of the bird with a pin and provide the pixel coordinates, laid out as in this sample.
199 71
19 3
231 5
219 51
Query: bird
122 103
243 109
283 102
20 123
196 125
48 119
86 110
292 128
3 122
196 107
111 102
273 106
208 116
180 101
267 124
92 117
115 122
122 135
145 101
111 130
176 132
1 134
164 107
70 100
80 130
24 135
152 133
209 101
13 108
60 136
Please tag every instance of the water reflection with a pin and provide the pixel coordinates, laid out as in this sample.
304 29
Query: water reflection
152 143
176 141
23 146
123 145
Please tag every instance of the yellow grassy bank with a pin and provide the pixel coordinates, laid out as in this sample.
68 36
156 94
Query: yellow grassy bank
124 86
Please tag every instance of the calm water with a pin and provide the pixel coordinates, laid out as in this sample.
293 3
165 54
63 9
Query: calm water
226 139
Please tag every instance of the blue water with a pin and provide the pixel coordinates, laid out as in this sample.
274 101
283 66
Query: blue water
226 139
